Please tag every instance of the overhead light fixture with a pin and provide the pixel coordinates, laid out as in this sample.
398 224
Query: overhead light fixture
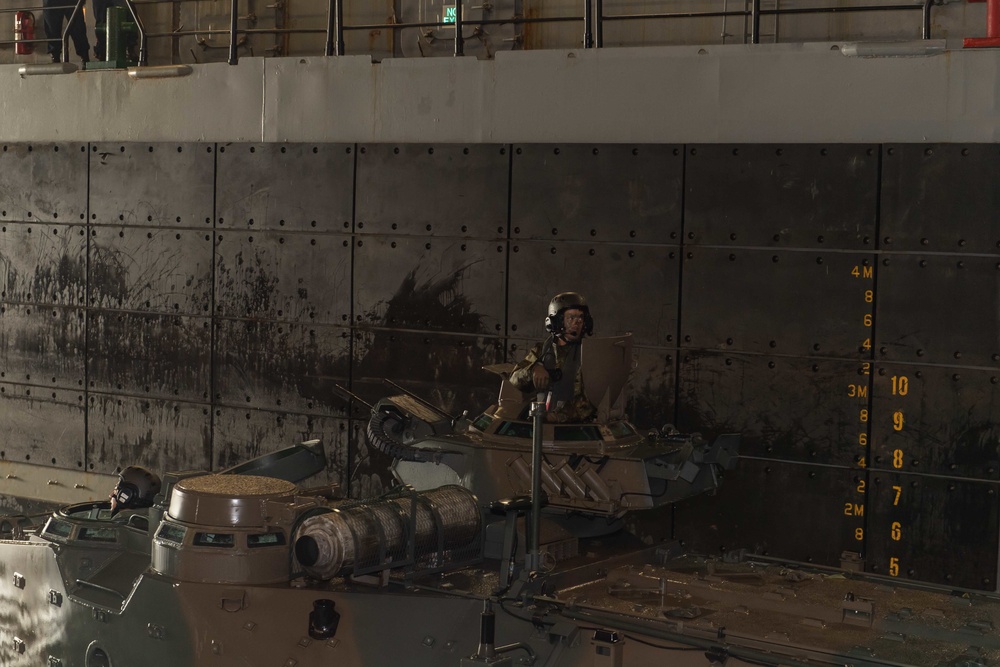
41 69
159 72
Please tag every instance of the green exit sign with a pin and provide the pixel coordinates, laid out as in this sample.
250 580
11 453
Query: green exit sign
448 14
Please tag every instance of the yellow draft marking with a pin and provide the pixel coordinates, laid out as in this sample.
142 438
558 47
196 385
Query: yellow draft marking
897 420
897 458
863 272
854 509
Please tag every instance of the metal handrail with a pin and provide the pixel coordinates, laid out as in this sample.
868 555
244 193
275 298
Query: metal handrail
756 12
37 40
78 8
459 23
14 10
755 22
593 20
143 53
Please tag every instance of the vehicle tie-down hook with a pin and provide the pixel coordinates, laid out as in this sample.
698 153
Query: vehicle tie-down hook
488 650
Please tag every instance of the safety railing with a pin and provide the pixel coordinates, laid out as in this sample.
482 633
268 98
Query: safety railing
77 13
592 17
34 40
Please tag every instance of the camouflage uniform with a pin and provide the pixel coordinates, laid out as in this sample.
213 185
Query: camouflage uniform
575 407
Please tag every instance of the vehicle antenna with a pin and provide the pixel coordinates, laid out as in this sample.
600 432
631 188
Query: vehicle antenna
351 394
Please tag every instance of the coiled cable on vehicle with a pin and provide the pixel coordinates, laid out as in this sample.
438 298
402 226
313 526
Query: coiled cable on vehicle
384 429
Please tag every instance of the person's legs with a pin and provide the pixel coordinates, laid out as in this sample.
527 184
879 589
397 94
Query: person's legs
52 19
100 18
78 32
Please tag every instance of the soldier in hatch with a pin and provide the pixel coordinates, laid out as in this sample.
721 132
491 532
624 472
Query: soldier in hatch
137 487
553 366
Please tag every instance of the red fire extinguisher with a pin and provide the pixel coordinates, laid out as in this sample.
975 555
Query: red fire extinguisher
24 32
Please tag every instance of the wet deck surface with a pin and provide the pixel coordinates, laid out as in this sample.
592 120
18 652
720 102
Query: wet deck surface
789 612
801 613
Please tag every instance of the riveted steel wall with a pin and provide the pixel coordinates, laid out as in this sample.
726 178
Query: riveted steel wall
859 333
149 286
198 304
43 318
282 311
775 327
935 456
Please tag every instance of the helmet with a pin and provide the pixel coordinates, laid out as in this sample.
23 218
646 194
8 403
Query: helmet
560 304
137 487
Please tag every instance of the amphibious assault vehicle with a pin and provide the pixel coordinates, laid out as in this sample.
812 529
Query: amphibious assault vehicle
248 568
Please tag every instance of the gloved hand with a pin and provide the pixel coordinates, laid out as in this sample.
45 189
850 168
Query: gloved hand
540 377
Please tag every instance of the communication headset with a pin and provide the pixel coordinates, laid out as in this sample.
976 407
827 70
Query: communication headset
137 487
559 305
